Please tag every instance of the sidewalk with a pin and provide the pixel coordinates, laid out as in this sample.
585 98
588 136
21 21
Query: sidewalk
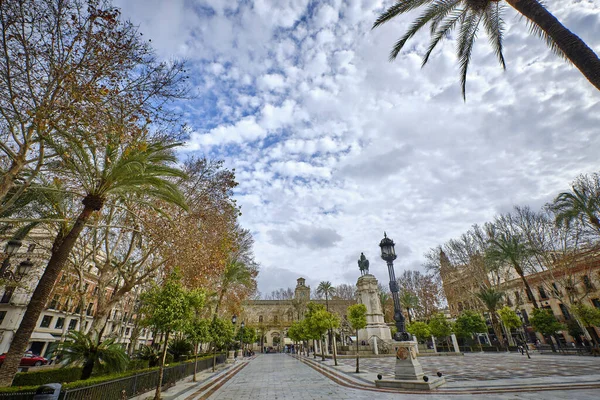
186 387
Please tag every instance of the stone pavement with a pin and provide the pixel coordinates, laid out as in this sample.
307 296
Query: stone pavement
280 376
490 366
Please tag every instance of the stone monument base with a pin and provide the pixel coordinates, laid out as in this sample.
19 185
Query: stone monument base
411 384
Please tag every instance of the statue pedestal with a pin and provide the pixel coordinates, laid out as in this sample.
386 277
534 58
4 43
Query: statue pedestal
368 294
409 373
230 358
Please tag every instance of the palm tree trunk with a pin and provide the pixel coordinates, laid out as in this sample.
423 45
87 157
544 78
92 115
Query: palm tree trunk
322 348
357 351
497 328
195 361
161 369
528 291
334 351
60 253
571 45
87 369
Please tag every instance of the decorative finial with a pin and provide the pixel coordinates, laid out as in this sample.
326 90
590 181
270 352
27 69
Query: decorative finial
384 234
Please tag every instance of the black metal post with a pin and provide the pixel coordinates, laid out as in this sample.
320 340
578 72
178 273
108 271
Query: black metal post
389 255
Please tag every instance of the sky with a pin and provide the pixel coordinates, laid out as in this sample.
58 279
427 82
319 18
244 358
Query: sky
333 145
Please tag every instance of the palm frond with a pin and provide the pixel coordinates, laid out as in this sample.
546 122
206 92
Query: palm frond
434 10
400 7
539 32
466 39
444 31
494 26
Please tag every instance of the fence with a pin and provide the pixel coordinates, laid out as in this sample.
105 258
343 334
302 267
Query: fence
131 386
126 388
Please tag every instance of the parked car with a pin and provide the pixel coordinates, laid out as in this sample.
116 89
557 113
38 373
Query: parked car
29 359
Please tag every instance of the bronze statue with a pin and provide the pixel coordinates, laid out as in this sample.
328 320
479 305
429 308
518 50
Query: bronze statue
363 265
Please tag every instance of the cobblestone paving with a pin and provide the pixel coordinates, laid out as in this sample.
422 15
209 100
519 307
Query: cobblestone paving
488 366
278 376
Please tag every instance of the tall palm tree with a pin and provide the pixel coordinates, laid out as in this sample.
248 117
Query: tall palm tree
236 273
409 301
444 16
79 348
99 170
582 202
510 248
492 299
326 289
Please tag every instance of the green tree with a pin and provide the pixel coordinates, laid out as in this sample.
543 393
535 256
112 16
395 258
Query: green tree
198 332
467 16
79 348
545 322
511 249
492 299
222 333
236 273
419 329
468 323
138 170
169 308
440 327
326 289
409 301
581 203
509 318
589 316
357 316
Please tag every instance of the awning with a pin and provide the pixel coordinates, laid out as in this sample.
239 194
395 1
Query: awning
42 337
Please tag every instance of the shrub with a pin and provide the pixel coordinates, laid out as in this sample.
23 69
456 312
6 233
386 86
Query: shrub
137 364
42 377
18 389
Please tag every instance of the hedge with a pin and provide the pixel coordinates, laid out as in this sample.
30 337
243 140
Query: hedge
42 377
18 389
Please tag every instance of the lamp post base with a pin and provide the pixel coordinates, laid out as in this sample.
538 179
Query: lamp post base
409 373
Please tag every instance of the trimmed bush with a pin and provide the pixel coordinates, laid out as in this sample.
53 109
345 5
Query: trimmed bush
18 389
137 364
55 375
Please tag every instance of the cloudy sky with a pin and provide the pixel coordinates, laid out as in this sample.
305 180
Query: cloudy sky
332 144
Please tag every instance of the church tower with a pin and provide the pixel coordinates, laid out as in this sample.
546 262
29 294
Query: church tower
302 291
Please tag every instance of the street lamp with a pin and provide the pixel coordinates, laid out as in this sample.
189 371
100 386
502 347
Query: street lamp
242 337
10 250
520 315
388 254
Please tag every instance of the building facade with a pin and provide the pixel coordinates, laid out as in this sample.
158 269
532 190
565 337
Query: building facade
556 287
272 318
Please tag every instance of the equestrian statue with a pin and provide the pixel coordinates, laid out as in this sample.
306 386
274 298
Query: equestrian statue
363 265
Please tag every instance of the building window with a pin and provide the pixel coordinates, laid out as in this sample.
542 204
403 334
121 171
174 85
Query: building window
46 321
2 316
31 248
543 295
596 303
529 295
60 322
78 309
127 331
565 311
555 289
8 292
260 318
525 316
54 302
517 297
587 283
90 309
72 324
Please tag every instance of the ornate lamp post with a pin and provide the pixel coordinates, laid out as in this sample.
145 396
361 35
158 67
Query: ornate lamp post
388 254
11 249
525 347
242 338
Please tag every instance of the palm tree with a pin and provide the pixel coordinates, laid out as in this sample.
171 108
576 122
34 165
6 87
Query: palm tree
325 289
492 299
509 248
79 348
582 203
236 273
99 170
443 16
409 301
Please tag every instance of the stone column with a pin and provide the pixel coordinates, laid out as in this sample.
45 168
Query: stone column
408 367
455 343
375 348
417 346
433 341
367 294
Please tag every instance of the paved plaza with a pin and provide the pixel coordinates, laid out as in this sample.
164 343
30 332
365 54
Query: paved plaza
490 366
281 376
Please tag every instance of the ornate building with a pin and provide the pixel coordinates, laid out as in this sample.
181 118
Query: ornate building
565 281
272 318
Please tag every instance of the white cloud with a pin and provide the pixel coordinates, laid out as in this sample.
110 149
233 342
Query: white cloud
334 142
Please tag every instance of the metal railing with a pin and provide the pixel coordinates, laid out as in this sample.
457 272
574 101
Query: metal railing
131 386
